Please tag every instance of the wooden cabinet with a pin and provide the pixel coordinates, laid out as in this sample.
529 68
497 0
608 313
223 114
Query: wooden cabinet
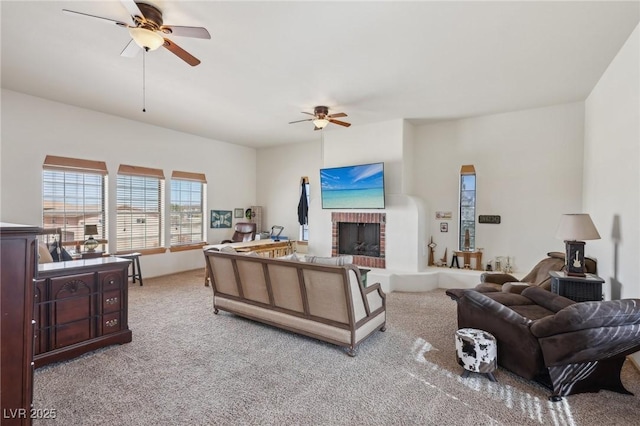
17 267
80 306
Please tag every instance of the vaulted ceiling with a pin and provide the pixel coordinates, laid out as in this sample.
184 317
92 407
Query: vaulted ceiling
267 61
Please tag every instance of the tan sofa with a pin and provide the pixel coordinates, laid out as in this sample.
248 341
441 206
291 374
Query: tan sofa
325 302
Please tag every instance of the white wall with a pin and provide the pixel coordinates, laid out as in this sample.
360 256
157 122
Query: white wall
529 171
279 170
612 172
33 128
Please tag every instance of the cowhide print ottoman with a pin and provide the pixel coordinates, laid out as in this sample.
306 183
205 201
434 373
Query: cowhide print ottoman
477 351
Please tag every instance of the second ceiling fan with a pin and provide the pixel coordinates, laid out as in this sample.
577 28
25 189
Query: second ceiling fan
148 30
321 118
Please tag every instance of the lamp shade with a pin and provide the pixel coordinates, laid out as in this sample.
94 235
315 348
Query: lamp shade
320 123
576 227
147 39
90 229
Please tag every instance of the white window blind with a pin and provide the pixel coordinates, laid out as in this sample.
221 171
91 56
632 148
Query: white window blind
73 195
187 208
140 201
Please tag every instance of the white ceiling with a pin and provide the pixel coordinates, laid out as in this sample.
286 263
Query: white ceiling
268 61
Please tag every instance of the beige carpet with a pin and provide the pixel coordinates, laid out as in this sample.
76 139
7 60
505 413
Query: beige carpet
187 366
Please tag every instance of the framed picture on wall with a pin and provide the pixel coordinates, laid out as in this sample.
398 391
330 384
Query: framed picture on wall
221 218
444 227
238 213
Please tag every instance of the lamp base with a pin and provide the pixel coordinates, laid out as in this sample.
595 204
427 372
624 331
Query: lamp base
574 258
91 244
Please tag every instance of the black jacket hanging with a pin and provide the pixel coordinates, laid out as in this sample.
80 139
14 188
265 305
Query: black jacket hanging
303 206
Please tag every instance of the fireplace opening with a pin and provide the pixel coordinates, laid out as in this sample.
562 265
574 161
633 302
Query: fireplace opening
359 239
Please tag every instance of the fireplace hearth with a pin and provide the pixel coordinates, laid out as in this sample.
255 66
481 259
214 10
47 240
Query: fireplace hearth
361 235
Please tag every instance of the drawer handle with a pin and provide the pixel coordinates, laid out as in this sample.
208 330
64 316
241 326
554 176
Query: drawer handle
111 301
112 281
111 323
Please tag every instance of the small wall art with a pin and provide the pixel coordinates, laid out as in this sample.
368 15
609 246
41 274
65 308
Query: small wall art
238 213
489 218
221 218
444 227
444 215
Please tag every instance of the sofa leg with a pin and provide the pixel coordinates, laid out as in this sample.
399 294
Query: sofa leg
383 328
555 398
215 311
351 352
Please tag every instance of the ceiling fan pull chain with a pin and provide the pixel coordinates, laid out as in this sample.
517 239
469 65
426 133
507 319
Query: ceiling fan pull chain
144 54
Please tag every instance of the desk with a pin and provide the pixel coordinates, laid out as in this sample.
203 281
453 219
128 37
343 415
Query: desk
265 248
467 256
91 254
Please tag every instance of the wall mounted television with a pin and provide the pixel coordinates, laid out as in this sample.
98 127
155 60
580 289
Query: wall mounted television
353 187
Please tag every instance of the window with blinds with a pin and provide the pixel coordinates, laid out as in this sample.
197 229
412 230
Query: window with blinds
187 209
73 195
140 201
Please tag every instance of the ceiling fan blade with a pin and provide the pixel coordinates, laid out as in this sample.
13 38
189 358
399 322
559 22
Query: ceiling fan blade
195 32
336 115
181 53
300 121
132 8
100 18
130 50
341 123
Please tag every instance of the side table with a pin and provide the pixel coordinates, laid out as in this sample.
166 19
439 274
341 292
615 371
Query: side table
579 289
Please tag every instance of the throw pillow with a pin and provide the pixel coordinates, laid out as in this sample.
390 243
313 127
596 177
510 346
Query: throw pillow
228 249
43 254
339 260
291 256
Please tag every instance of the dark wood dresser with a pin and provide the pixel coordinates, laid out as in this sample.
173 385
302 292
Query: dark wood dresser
80 306
18 261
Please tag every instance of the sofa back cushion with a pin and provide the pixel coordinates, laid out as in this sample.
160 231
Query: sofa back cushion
326 295
285 287
539 275
252 281
224 278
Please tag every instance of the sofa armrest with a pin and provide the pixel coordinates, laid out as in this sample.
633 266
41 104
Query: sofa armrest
585 315
375 296
514 287
497 278
547 299
495 309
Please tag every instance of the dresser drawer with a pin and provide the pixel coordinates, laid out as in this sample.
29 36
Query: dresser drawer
111 280
111 323
72 286
111 301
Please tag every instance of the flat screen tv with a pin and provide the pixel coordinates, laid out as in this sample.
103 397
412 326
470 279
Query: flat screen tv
353 187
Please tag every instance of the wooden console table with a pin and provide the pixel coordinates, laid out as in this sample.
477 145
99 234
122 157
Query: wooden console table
80 306
265 248
467 256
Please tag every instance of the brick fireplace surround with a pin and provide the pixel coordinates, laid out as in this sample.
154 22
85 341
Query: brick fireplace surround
365 261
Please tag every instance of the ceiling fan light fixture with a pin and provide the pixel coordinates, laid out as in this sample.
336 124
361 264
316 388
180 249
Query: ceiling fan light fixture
320 123
146 39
